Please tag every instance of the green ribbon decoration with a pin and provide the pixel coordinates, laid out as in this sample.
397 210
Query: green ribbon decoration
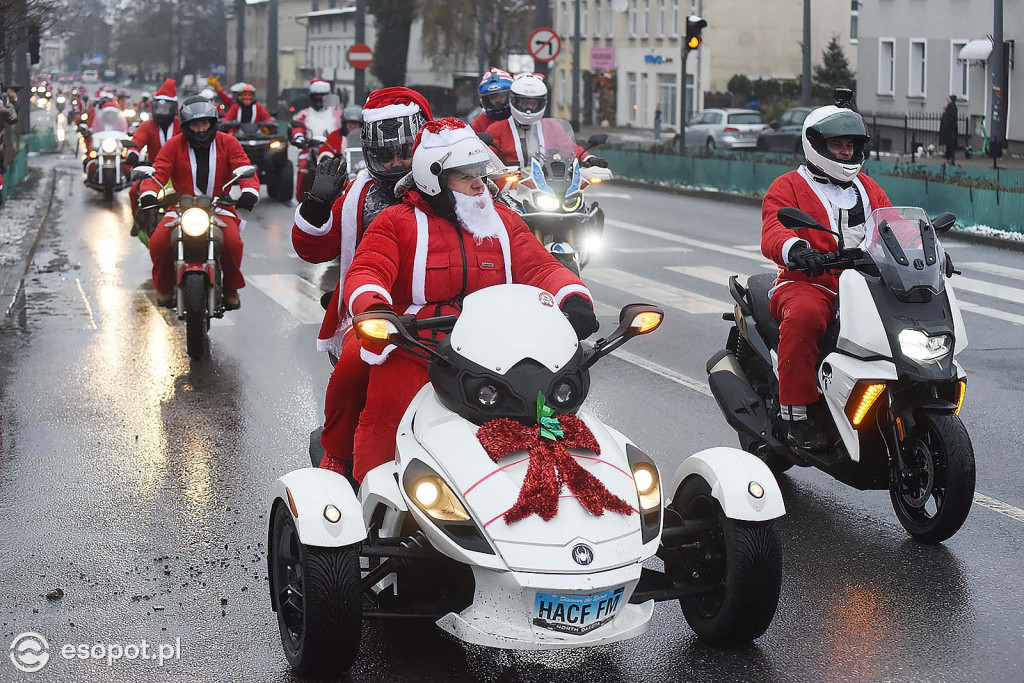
550 427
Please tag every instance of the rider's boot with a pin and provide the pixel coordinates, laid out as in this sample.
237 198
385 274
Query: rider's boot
804 434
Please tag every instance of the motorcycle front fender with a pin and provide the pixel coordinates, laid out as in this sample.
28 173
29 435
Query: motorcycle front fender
731 474
307 493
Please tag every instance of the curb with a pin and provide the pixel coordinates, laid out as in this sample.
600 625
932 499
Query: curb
734 198
17 274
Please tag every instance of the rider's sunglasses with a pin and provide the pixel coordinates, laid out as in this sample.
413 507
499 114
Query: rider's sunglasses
386 155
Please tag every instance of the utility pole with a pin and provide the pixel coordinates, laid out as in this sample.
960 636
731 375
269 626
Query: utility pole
805 77
272 54
542 18
239 41
21 65
481 35
998 61
576 66
359 82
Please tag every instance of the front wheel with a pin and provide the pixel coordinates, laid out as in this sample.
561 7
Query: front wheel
317 596
739 562
196 322
934 493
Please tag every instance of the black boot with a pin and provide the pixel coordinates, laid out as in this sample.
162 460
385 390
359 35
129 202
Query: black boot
804 434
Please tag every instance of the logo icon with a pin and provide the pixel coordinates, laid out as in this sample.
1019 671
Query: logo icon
29 652
546 299
582 554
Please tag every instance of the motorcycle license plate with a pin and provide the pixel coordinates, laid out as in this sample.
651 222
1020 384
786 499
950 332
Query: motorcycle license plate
576 614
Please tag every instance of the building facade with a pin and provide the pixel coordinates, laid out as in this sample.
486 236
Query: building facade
911 61
291 43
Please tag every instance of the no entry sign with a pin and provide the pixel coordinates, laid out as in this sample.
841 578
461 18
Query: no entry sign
360 56
545 44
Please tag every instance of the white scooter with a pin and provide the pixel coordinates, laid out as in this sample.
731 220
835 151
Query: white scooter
447 531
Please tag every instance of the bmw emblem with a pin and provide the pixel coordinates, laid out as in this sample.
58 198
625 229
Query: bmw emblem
582 554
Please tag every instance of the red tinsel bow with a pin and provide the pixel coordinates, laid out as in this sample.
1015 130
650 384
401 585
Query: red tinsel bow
551 465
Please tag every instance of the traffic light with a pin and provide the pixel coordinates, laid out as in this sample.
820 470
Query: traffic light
694 26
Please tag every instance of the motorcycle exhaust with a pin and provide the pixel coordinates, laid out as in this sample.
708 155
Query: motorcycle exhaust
743 409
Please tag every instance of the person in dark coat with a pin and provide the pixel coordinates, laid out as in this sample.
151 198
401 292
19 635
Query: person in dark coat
948 135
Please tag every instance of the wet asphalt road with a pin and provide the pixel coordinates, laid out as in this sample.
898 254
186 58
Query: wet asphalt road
135 481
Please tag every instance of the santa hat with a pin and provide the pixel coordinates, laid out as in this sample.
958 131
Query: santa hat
168 91
319 86
443 133
110 104
391 103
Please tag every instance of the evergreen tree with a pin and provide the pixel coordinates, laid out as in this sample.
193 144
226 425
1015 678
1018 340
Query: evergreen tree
833 72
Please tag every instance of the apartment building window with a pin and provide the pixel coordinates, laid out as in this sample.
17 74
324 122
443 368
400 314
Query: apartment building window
958 72
675 18
661 18
886 66
597 18
632 18
647 18
563 23
668 96
608 16
854 19
631 94
584 14
918 68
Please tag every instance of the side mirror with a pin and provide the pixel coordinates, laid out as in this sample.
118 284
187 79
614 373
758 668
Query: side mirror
774 124
944 222
795 219
634 320
140 172
486 138
243 172
597 139
318 140
84 130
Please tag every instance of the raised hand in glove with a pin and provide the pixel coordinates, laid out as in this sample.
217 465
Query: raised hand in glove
215 83
811 261
331 178
581 316
592 161
148 201
248 201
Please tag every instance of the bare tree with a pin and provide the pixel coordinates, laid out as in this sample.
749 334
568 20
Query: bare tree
449 32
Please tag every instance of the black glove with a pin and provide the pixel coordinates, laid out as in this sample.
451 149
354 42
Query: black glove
132 157
331 177
581 316
592 161
148 201
247 201
811 261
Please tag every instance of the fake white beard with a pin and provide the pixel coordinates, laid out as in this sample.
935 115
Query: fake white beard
478 215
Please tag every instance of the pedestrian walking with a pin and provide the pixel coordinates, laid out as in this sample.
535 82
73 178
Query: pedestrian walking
657 122
8 116
948 135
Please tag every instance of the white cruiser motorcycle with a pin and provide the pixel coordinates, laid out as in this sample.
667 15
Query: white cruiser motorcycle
887 371
426 534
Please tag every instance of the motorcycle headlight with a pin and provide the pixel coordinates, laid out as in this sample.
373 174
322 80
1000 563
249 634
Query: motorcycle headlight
648 488
144 116
572 204
918 346
436 500
61 100
195 222
276 144
546 202
108 146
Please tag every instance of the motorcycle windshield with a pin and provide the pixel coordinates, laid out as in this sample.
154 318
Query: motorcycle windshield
112 120
901 241
551 140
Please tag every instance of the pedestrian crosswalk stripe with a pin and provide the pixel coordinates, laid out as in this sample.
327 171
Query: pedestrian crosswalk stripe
991 312
689 241
714 274
652 250
657 292
299 297
967 284
991 269
602 309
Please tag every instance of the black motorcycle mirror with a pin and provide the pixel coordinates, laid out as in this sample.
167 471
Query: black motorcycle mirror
142 172
596 139
944 222
242 172
84 130
634 320
795 219
486 138
383 325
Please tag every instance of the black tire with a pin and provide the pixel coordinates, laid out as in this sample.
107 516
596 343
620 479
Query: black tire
316 593
745 561
196 322
284 182
937 495
108 195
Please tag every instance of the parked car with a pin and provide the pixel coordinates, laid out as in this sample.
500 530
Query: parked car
785 134
725 128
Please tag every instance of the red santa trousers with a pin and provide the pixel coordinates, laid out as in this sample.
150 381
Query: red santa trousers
346 396
803 311
162 255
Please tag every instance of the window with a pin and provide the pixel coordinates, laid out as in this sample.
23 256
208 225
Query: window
712 117
563 20
886 66
647 18
584 13
854 18
668 97
958 83
597 18
608 17
631 96
752 117
661 29
561 87
918 68
632 18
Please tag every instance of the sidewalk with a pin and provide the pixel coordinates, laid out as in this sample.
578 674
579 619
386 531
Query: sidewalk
22 219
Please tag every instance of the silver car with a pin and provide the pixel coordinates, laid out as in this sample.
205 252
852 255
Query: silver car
724 128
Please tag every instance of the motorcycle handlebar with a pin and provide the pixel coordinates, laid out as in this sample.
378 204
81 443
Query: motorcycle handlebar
441 322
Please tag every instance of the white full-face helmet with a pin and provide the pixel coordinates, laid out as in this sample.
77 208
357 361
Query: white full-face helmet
528 98
834 122
443 147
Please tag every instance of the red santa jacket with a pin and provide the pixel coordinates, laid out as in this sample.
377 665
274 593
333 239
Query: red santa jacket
177 163
509 146
410 257
257 114
799 189
336 239
150 136
335 145
481 123
225 99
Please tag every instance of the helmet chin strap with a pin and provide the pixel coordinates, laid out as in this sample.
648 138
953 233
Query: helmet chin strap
822 177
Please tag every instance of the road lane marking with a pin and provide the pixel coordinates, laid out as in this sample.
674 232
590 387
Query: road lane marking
610 195
999 506
995 291
749 247
88 307
604 309
652 250
991 312
689 241
659 293
713 274
299 297
991 269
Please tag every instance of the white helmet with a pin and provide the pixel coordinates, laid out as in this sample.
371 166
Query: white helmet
447 145
528 98
238 87
208 93
834 122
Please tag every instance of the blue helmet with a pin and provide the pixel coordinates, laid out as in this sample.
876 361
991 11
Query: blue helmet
494 94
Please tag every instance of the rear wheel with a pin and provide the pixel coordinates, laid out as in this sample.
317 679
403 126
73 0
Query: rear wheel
740 561
284 183
196 322
935 492
317 596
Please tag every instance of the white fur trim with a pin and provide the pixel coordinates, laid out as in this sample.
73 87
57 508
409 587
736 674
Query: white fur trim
572 289
310 229
148 192
825 203
446 137
319 88
351 209
251 189
518 143
419 264
372 358
389 111
362 289
787 245
213 170
166 97
506 251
